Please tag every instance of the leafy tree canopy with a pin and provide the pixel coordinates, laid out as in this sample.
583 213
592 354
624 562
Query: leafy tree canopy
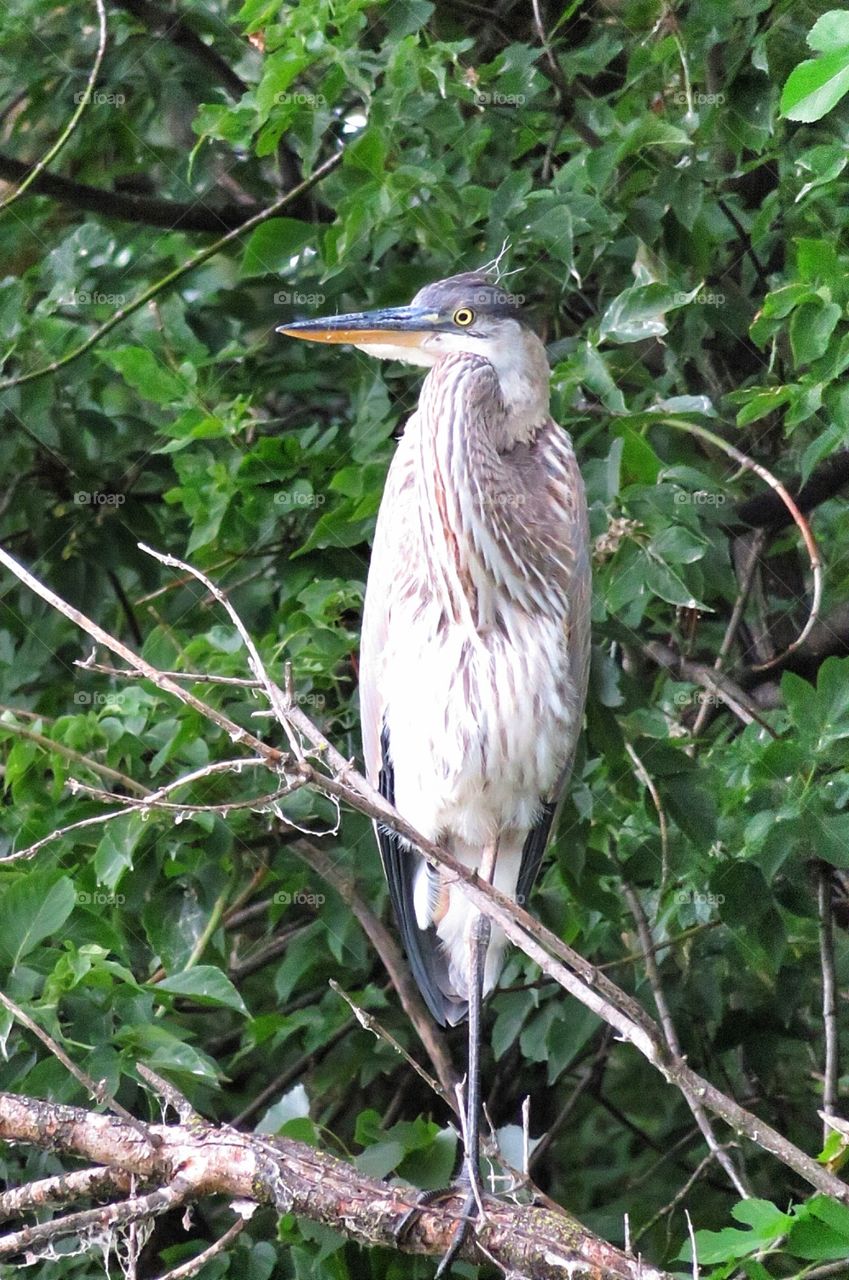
671 184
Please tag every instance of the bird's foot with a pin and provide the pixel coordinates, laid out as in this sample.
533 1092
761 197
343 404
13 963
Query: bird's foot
470 1211
470 1184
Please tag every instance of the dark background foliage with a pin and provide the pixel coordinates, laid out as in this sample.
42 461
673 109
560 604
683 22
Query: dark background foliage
684 247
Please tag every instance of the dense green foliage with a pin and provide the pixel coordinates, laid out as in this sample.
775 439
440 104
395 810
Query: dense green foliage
685 244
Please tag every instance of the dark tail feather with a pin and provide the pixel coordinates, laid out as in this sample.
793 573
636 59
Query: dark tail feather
421 945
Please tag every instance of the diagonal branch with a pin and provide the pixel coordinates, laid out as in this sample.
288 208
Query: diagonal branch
118 317
149 211
671 1036
84 100
179 31
393 961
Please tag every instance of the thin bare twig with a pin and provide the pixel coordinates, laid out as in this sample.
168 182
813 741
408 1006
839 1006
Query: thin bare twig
682 1193
170 1094
692 1236
96 820
259 804
196 1264
235 731
84 100
277 700
370 1023
831 1070
691 428
282 1081
671 1036
755 547
190 677
716 682
95 1090
648 782
590 1074
828 1269
633 957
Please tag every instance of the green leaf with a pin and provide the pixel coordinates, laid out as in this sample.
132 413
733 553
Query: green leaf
115 852
823 164
829 838
279 72
817 1241
649 131
405 17
668 585
811 328
272 247
205 983
831 31
379 1160
832 1212
141 370
816 86
760 404
767 1225
742 893
640 312
32 909
763 1216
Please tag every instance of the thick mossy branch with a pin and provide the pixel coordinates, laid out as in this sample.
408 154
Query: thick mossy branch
540 1243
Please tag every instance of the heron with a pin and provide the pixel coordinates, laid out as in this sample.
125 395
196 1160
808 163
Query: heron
475 636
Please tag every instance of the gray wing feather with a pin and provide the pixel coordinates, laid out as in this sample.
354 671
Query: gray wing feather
578 640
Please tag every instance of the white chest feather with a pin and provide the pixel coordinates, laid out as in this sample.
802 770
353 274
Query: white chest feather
479 725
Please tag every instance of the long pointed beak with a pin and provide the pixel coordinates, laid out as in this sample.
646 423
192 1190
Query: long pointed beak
398 326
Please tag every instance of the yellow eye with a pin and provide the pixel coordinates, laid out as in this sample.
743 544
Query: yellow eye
464 317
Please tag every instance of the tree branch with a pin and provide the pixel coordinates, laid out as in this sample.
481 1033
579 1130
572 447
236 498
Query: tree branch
150 211
125 1212
393 962
671 1036
82 1184
285 201
82 103
719 685
768 511
831 1036
174 27
527 1241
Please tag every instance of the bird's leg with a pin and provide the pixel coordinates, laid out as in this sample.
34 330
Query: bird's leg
469 1179
478 932
478 935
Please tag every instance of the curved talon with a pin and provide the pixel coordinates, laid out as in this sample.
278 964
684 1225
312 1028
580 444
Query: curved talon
468 1214
423 1199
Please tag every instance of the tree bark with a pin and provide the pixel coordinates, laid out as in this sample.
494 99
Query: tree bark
195 1160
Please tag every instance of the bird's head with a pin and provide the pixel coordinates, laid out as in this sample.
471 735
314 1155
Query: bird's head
466 313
